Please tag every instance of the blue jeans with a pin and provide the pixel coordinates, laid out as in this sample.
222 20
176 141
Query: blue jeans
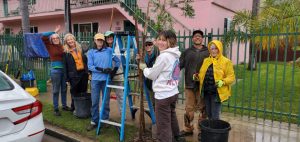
58 86
96 87
213 106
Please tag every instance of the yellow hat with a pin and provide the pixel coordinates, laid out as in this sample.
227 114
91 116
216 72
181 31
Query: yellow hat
99 36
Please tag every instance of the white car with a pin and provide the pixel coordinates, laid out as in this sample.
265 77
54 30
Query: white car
21 118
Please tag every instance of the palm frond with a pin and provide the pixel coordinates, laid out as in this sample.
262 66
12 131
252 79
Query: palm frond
274 17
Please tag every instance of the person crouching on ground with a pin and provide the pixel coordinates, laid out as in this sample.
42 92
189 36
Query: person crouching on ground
216 76
165 75
75 66
99 58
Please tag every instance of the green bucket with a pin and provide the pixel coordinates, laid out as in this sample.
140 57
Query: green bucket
42 85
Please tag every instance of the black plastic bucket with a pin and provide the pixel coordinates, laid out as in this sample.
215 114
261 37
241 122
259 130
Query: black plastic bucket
214 131
83 105
27 83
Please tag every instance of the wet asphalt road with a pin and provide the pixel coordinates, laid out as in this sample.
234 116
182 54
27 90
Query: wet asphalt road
48 138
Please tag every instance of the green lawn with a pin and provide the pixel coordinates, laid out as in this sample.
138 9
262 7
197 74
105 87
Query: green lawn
71 123
270 92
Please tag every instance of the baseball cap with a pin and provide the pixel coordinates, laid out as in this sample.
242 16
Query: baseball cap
108 33
198 32
99 36
149 40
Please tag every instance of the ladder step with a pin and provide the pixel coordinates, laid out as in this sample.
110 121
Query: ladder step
132 78
124 33
133 65
111 123
136 107
115 54
135 94
115 87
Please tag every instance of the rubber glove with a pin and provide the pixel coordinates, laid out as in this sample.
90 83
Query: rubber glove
113 73
196 77
104 70
142 66
220 83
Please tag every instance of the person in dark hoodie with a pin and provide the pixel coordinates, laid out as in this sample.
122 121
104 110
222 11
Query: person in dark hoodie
152 52
191 60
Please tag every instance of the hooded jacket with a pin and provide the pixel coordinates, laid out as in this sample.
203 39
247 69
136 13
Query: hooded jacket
222 70
165 73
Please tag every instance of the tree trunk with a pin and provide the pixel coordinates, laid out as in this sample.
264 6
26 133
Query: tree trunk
25 28
252 61
25 16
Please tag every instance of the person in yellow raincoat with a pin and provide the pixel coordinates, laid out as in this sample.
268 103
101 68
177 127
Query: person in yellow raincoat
216 76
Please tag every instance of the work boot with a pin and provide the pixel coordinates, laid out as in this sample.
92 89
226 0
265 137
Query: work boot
184 133
199 137
91 127
179 139
66 108
56 112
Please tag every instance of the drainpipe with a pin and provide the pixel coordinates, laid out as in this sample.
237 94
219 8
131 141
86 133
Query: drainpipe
5 8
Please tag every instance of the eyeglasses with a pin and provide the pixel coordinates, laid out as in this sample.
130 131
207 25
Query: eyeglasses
55 38
149 44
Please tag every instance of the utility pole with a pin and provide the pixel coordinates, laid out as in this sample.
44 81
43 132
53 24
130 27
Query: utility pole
68 27
252 58
25 16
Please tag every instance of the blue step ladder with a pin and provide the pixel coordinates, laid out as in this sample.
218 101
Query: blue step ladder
127 56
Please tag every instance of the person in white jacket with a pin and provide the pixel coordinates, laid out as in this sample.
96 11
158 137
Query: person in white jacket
165 75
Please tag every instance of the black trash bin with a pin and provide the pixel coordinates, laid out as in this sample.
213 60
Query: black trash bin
83 105
27 83
214 131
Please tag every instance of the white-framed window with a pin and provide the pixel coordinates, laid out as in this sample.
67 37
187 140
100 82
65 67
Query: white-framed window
31 2
85 27
34 29
227 24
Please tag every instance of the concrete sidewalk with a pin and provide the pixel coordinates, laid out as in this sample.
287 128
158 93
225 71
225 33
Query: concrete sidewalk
242 129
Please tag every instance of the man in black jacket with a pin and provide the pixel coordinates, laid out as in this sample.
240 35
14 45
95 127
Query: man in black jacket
191 60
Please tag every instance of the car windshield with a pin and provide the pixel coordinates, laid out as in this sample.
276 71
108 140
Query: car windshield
5 84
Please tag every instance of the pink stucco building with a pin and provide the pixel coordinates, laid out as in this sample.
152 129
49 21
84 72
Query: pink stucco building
88 15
